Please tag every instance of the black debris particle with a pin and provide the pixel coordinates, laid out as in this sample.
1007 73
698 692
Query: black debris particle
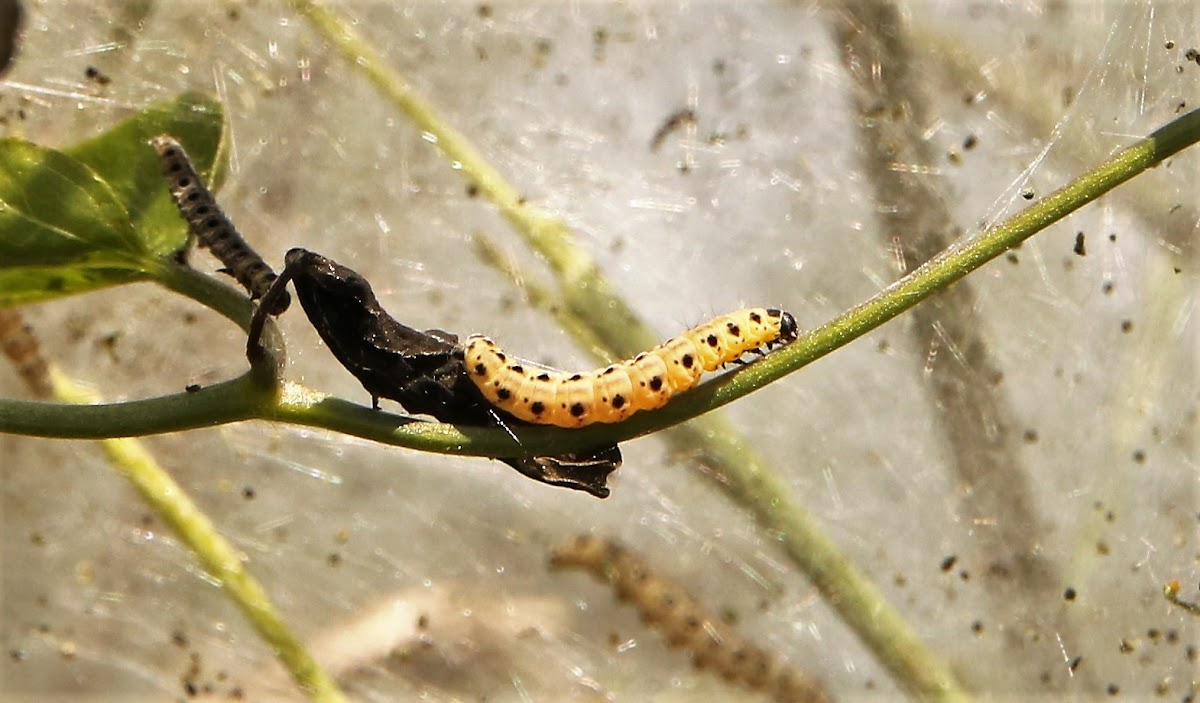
1074 664
1169 44
1030 436
977 627
970 142
96 76
1080 248
249 493
192 388
1126 326
483 10
949 562
1107 287
1027 194
1069 594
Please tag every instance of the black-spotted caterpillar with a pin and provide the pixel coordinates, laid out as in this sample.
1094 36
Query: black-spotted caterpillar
209 224
611 394
685 622
422 370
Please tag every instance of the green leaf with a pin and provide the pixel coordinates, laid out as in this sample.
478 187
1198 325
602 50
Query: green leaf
55 210
34 284
124 158
98 214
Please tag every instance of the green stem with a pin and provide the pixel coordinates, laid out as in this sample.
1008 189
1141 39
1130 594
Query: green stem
219 557
235 400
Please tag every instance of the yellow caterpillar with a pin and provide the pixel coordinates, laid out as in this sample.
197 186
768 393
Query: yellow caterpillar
547 397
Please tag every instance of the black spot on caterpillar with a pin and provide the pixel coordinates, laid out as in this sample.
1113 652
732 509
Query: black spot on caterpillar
422 371
209 224
685 623
547 397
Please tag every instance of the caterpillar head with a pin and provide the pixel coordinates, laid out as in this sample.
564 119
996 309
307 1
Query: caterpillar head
336 282
789 331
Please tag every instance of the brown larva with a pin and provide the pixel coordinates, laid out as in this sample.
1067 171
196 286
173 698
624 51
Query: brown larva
685 623
20 345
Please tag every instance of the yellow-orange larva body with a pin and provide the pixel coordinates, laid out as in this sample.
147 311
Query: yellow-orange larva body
611 394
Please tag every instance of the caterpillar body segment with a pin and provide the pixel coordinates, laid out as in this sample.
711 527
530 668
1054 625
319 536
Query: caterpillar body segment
211 227
612 394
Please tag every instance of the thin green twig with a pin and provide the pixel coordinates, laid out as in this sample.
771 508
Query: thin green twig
170 502
230 402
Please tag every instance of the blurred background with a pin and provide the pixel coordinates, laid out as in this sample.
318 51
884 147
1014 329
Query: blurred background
1014 464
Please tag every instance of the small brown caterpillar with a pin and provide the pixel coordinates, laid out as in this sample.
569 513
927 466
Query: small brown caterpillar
210 225
685 623
547 397
20 345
